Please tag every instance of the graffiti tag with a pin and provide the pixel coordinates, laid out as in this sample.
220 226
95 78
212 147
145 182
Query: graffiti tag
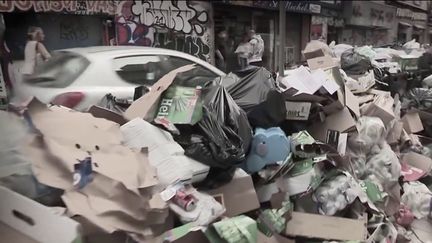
69 6
188 44
174 15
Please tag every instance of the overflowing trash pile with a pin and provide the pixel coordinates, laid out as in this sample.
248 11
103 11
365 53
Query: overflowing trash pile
339 150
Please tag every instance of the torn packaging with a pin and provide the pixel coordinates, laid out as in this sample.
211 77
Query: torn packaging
145 107
121 176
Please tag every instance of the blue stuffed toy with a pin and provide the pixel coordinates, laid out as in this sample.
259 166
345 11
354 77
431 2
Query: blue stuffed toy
269 146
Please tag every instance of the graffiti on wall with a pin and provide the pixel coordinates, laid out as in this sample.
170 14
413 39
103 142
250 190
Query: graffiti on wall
66 6
178 25
188 44
179 16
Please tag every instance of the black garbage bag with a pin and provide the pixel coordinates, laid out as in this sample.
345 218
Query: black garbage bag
257 95
111 103
221 138
354 63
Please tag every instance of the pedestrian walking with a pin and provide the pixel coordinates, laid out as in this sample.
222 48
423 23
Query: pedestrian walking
34 50
244 52
257 44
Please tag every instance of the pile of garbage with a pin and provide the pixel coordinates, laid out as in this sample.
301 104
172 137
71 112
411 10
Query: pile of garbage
336 150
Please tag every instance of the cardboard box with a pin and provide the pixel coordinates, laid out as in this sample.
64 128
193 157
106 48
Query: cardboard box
26 221
323 62
418 161
381 107
238 196
364 82
298 111
407 62
347 99
341 121
326 227
146 106
412 123
313 53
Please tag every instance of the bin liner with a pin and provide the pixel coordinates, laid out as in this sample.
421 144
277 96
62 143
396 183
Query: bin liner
221 138
256 94
355 63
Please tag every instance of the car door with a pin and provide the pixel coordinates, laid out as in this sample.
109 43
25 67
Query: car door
145 70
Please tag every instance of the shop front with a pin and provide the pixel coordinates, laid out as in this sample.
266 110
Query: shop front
66 24
411 25
328 24
237 17
369 23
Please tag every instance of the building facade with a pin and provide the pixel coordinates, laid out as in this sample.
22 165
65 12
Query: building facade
65 23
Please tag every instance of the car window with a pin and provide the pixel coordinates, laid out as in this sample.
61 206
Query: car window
148 69
59 71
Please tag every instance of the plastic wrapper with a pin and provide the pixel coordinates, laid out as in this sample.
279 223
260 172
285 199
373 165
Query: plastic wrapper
340 48
371 134
206 211
412 44
366 51
417 197
384 167
256 94
419 98
336 194
355 63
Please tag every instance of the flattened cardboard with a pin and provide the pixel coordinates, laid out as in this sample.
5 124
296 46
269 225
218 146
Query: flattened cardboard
341 121
298 111
412 123
26 221
418 161
323 62
325 227
239 195
146 105
348 99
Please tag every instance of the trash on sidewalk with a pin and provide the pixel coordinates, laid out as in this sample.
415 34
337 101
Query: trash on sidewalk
336 150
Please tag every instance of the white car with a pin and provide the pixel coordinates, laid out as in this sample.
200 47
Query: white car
81 77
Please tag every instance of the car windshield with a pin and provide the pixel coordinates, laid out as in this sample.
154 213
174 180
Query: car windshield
59 71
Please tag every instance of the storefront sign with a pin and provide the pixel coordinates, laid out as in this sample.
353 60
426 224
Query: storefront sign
291 6
371 15
408 14
61 6
420 4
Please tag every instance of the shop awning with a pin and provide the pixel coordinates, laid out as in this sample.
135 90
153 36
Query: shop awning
405 24
419 26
